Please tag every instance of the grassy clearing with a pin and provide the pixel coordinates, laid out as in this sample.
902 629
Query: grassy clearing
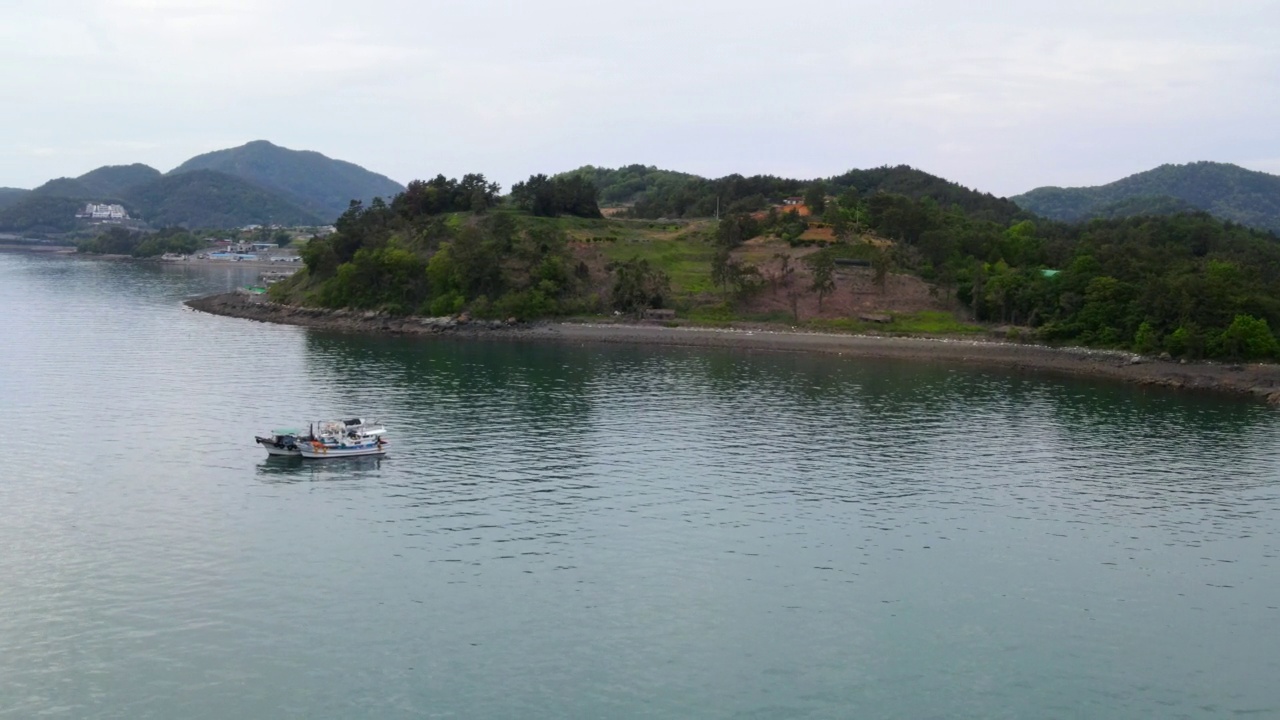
933 322
688 262
928 322
720 315
679 248
608 230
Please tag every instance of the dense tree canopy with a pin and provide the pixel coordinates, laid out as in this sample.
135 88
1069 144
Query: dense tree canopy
420 253
118 240
443 195
554 196
653 193
626 184
1188 283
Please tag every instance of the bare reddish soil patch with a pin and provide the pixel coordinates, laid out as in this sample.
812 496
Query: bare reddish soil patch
855 294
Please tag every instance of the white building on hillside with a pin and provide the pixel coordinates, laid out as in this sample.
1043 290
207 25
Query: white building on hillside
93 211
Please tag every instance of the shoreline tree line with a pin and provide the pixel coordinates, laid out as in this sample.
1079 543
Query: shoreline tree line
1185 283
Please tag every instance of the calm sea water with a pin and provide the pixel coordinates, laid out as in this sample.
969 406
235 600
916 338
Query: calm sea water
605 532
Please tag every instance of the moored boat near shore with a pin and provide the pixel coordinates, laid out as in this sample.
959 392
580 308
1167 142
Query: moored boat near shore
327 438
345 439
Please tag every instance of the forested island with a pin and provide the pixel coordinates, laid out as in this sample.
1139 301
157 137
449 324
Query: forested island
890 250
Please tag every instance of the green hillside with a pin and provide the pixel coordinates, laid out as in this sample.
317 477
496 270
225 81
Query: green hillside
208 199
257 183
66 188
115 180
628 184
324 187
1221 189
920 185
199 199
1144 205
649 192
41 214
1187 284
9 196
110 182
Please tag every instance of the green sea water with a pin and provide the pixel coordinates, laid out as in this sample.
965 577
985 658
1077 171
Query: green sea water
580 531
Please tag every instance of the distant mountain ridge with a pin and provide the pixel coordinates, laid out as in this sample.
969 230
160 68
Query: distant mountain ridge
651 192
65 187
256 183
321 185
1224 190
211 199
200 198
115 180
9 196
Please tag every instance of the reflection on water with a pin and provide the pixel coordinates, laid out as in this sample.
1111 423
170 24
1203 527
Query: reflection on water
289 469
583 531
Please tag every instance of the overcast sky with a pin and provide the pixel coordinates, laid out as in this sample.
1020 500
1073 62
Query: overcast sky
1000 96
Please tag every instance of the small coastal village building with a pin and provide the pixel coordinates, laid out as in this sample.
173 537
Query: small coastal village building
793 201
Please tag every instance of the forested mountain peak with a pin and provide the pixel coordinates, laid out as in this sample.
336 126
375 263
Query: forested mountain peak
321 185
115 180
65 187
258 182
208 198
1224 190
918 184
110 182
649 192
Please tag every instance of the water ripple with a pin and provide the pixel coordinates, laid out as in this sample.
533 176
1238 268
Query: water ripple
581 531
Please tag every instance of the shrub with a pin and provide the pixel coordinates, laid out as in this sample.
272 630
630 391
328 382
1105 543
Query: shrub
1247 338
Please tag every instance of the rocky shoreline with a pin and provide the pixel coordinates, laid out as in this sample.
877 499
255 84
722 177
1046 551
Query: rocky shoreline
257 307
1260 381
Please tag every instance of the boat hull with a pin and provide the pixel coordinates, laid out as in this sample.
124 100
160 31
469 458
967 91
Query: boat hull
328 452
273 449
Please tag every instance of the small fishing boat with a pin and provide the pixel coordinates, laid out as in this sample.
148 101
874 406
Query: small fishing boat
344 438
282 442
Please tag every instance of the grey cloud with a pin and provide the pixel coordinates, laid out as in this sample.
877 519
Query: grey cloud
1000 96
